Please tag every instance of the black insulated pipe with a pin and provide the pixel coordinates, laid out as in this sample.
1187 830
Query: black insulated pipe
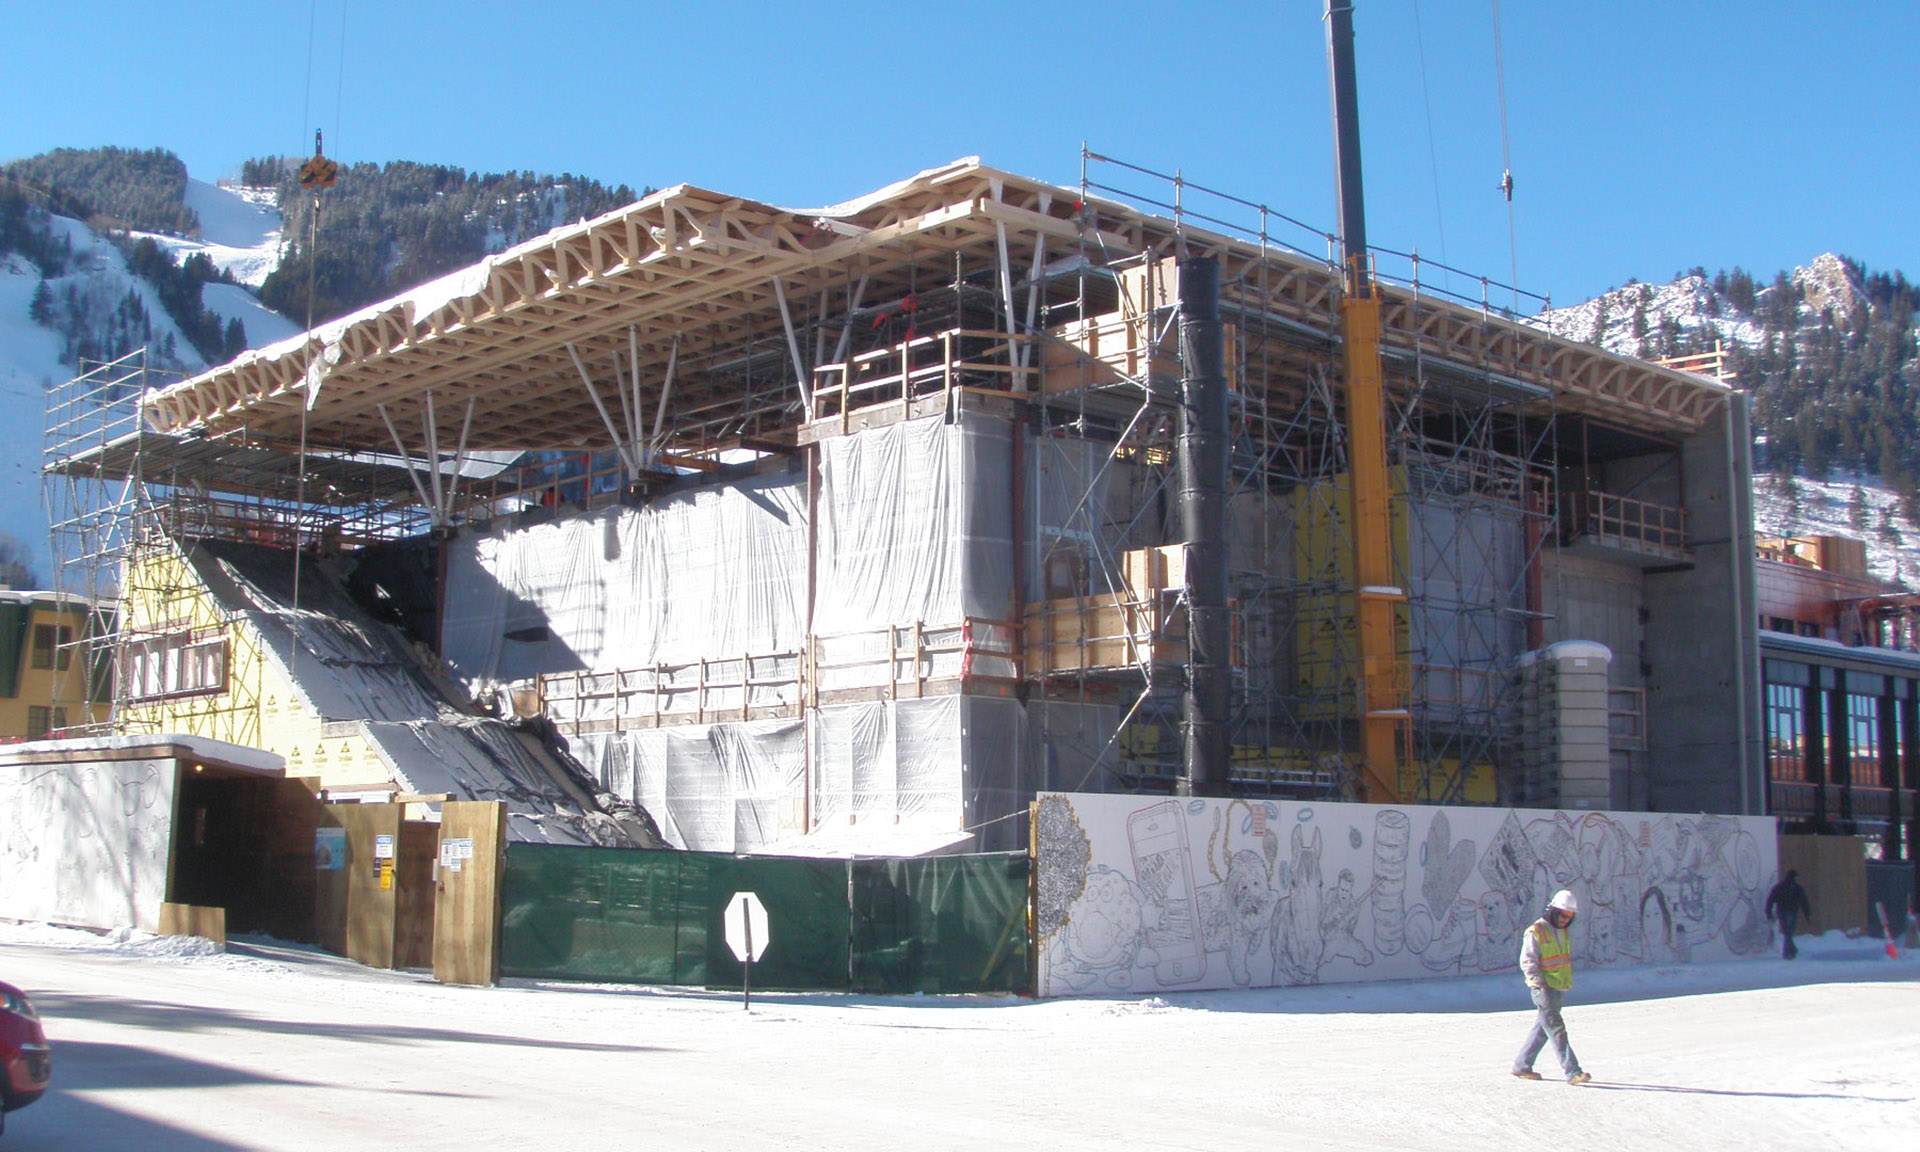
1203 453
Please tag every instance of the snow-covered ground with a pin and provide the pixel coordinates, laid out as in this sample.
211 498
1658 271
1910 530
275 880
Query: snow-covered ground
169 1044
239 230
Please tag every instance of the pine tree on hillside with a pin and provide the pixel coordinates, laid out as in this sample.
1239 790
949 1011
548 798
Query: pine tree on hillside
142 190
385 229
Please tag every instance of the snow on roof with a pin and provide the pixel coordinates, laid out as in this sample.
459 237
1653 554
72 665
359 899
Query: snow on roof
176 745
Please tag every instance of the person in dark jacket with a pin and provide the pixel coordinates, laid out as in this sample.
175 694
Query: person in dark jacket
1787 903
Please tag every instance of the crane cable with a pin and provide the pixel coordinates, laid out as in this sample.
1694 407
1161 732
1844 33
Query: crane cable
316 175
1506 157
1433 154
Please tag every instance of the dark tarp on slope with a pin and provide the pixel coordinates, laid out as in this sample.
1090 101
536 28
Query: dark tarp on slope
347 667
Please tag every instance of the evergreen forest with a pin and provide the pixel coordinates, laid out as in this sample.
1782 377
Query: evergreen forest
383 229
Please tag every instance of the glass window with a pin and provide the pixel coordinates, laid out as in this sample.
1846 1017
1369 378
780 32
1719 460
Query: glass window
50 646
176 664
1786 732
1863 740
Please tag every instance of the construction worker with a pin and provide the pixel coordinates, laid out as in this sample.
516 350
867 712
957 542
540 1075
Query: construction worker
1546 961
1787 903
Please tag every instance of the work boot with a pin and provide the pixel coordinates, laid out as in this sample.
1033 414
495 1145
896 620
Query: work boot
1526 1074
1579 1078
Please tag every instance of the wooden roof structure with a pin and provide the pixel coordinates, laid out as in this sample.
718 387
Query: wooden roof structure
685 305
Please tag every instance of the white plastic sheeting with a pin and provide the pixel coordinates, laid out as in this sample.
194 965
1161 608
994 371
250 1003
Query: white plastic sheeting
915 531
916 525
716 571
342 665
1468 621
710 787
999 780
478 759
1072 746
889 763
890 778
696 603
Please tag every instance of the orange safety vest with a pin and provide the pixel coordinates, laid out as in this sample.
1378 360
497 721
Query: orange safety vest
1556 955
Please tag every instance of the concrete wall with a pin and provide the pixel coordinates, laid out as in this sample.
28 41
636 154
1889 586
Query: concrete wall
1591 599
86 844
1702 643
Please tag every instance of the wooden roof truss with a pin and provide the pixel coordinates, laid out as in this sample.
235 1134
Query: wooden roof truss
703 316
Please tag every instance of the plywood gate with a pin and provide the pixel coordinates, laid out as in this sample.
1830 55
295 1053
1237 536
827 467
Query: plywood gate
466 909
373 836
1833 870
414 893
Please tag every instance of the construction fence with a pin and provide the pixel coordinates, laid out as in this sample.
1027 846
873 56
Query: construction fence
943 924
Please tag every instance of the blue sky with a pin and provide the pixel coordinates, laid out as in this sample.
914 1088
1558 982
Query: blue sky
1646 136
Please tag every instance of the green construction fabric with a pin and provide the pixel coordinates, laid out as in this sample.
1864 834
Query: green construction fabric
610 914
806 903
944 924
941 925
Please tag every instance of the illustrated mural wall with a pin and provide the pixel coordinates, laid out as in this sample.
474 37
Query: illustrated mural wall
86 844
1138 895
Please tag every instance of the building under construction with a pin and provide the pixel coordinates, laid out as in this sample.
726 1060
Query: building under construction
848 530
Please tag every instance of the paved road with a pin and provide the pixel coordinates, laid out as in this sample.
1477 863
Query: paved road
289 1051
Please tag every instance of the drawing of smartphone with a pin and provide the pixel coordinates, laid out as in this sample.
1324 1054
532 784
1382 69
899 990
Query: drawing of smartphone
1163 867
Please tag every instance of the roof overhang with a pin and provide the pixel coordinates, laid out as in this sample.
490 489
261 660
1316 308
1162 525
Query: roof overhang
198 752
496 354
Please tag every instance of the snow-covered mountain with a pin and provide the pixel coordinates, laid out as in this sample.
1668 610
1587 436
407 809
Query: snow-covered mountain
1692 314
240 233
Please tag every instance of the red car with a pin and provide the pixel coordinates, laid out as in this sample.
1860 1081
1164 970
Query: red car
26 1063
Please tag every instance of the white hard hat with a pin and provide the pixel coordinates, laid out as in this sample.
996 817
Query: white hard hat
1566 902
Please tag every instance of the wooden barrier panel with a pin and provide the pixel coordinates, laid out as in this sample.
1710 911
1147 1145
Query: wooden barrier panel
1833 870
373 837
194 920
414 888
466 910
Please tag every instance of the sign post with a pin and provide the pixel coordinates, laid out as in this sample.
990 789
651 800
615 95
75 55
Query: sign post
746 924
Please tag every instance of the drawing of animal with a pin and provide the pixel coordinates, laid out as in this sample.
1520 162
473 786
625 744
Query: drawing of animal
1298 944
1236 913
1103 936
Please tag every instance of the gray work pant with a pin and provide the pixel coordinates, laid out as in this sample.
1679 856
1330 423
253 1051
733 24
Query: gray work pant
1547 1025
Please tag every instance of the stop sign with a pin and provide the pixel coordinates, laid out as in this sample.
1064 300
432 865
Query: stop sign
746 920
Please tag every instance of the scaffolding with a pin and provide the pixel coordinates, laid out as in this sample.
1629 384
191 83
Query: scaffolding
755 336
94 518
124 503
1472 455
